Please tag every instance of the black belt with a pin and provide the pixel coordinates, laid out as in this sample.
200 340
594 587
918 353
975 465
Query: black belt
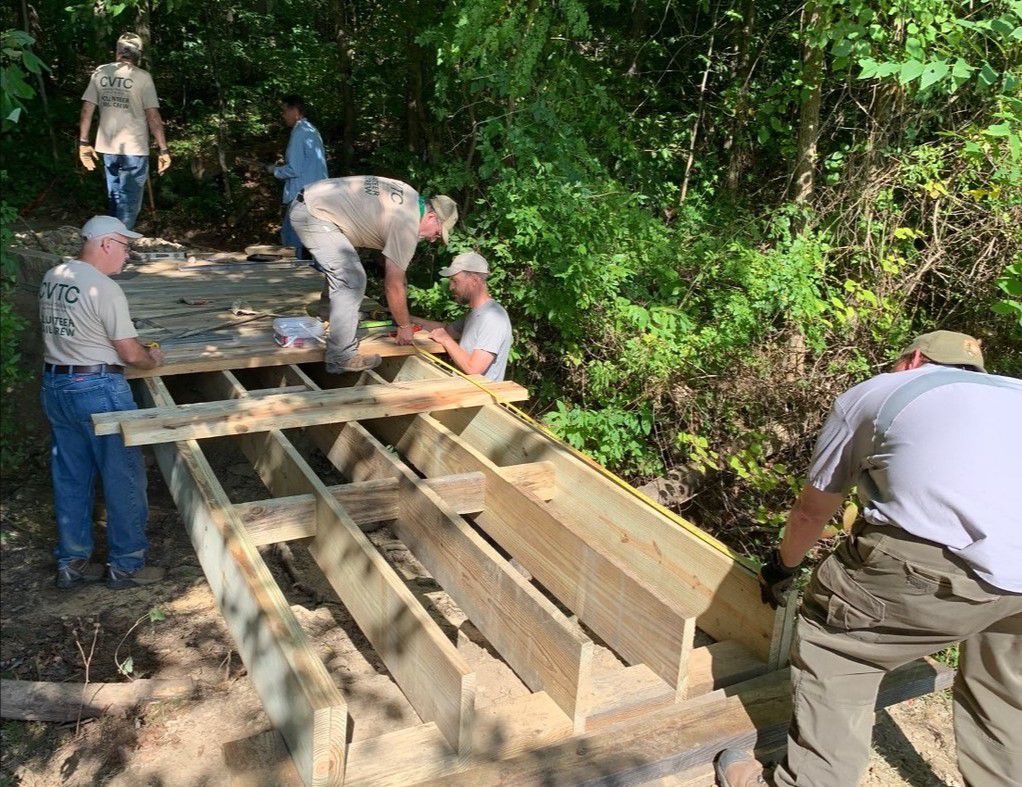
98 368
301 196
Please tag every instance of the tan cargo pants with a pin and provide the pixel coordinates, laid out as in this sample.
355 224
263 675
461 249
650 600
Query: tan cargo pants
881 600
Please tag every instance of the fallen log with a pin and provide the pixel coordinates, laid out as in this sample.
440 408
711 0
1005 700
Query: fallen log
31 700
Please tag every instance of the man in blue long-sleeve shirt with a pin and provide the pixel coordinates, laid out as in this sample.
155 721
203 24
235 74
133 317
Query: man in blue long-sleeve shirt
304 163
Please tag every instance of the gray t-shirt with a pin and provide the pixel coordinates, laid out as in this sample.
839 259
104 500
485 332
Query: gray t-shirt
82 312
941 461
488 328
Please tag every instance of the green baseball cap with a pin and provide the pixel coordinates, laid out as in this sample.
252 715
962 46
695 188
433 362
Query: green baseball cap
950 348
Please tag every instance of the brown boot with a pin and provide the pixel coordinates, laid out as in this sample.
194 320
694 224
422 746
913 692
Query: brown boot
735 768
356 363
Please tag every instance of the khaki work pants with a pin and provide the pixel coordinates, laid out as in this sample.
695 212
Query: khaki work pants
885 598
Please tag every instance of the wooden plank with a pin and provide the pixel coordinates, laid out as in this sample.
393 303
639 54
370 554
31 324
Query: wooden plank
218 354
536 478
367 503
425 664
297 693
630 692
685 736
642 625
286 411
546 651
31 700
723 593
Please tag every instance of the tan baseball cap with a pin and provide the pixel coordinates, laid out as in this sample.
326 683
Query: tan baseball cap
950 348
130 42
447 211
98 226
469 262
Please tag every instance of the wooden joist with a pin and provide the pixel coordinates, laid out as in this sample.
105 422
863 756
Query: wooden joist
298 695
723 594
642 625
425 664
287 411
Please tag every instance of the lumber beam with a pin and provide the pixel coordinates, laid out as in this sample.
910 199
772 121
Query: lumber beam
425 664
642 625
286 411
367 503
722 593
32 700
297 693
546 650
754 713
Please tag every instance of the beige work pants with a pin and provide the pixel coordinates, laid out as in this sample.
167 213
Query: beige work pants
885 598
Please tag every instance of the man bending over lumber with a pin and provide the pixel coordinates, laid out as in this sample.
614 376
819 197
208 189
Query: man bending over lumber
933 449
333 217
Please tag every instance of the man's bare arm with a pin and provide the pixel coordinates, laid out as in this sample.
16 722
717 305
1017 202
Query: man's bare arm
395 287
155 122
136 354
806 521
85 120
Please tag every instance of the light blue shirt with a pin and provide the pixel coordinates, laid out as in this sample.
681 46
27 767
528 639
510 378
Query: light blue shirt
305 160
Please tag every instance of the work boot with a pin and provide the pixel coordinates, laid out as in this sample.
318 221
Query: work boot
78 572
736 768
356 363
118 578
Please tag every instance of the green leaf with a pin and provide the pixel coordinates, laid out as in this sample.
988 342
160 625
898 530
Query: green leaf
987 75
933 73
961 70
127 666
910 70
998 130
156 615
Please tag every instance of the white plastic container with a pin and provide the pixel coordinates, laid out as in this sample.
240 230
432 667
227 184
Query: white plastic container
297 331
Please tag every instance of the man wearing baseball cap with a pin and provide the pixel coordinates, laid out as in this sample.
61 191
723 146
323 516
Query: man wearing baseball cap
933 449
128 111
479 342
336 216
88 338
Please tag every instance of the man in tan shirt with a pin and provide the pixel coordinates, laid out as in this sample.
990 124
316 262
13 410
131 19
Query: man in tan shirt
128 112
333 217
88 337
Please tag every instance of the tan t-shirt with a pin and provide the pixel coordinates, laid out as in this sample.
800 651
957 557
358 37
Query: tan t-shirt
123 93
372 212
82 312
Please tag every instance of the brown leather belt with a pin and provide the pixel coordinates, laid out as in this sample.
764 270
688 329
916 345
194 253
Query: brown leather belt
98 368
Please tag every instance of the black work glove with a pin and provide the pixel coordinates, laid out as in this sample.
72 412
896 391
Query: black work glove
775 578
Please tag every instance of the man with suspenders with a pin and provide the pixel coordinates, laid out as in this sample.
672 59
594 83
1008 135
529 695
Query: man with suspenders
935 451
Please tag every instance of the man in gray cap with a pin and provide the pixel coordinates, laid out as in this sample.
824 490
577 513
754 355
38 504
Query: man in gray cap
333 218
88 338
479 342
934 452
128 112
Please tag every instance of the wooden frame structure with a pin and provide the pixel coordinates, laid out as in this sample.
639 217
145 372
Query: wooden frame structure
550 560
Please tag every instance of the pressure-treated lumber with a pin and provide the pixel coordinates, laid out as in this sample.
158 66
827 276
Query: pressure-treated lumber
546 651
640 624
298 695
748 714
367 503
707 582
428 668
31 700
286 411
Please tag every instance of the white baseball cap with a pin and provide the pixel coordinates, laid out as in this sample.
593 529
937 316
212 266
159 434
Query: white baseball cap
470 261
98 226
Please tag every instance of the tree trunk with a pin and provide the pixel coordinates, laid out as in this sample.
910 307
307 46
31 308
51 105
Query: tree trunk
803 173
42 89
343 35
699 114
640 19
736 143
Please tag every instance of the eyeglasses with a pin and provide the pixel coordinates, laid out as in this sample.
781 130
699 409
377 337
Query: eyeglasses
125 245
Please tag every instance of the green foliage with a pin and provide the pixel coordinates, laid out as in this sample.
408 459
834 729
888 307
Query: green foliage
16 61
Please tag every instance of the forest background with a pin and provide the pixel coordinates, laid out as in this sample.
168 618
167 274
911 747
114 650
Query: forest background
707 218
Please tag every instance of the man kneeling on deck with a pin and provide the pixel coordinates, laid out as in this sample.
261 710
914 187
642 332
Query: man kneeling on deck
88 337
934 451
479 342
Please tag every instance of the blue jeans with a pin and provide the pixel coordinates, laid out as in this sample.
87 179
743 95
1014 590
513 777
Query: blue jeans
77 454
125 182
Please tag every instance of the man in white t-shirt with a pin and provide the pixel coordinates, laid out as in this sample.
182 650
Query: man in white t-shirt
933 449
88 337
333 218
128 111
479 342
